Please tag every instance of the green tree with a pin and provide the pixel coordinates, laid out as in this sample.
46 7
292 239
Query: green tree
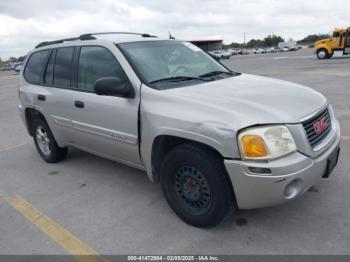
312 38
270 40
273 40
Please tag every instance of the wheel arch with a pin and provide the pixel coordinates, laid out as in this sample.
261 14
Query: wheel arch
31 114
162 144
323 46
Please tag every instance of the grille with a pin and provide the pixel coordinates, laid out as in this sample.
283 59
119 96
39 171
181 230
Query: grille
309 126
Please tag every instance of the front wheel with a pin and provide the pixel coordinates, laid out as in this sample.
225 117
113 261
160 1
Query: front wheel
322 53
196 186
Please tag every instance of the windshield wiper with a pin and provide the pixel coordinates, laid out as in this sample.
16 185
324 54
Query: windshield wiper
177 79
213 73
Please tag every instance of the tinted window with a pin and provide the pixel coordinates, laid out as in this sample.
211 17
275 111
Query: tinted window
94 63
35 66
49 70
63 66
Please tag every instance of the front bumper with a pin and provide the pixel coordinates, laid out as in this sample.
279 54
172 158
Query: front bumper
290 177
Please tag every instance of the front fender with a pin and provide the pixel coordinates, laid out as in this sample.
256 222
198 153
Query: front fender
220 138
324 46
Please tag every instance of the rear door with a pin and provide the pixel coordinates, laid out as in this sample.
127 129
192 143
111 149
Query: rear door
107 125
55 94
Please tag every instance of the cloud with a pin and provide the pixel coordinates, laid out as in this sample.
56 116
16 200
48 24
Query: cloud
24 23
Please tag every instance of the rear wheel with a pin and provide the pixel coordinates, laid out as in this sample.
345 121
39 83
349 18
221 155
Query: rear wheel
196 186
322 53
46 144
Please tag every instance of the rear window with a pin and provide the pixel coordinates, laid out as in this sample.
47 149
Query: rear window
49 69
63 67
35 66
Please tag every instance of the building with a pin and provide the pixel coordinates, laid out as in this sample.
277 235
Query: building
208 44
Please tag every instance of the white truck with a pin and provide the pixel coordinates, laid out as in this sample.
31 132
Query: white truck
291 45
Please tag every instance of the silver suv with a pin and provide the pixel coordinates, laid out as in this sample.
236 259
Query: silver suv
216 140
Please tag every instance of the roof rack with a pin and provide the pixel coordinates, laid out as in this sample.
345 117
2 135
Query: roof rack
89 36
46 43
117 33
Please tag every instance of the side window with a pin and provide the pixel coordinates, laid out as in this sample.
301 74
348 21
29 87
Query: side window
63 67
35 66
49 69
96 62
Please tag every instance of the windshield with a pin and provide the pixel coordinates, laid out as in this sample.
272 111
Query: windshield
160 62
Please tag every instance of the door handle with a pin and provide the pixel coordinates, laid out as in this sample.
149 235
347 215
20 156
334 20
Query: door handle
79 104
41 97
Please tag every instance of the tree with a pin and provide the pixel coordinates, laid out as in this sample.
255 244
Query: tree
273 40
233 45
312 38
21 58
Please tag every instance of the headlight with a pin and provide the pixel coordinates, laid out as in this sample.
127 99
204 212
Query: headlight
266 142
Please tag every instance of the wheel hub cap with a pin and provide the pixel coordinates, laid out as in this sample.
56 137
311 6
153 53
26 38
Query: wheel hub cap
43 140
192 190
322 54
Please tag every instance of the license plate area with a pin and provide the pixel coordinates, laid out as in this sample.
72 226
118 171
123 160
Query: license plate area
331 162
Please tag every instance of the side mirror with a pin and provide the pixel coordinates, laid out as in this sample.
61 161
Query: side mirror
113 86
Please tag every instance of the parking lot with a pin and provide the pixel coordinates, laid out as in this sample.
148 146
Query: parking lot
90 205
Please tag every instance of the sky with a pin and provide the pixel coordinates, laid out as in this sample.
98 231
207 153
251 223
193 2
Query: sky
25 23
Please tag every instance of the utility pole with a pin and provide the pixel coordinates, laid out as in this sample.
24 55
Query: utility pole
244 38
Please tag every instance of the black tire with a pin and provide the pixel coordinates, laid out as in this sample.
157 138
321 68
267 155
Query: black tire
322 53
196 185
55 153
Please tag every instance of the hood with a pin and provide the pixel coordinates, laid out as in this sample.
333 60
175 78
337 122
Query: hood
250 100
322 41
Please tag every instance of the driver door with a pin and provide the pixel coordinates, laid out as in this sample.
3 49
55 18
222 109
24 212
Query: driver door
107 125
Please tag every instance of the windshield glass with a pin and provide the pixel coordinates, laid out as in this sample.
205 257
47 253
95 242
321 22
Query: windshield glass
161 62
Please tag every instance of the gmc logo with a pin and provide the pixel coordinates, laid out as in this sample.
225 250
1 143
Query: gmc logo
321 125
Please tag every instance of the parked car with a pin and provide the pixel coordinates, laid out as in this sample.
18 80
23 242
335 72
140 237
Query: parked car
232 51
216 140
239 51
277 49
259 51
245 51
6 68
274 50
270 50
18 68
216 54
220 54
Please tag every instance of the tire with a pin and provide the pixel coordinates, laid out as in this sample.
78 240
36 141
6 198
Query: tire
196 185
46 144
322 53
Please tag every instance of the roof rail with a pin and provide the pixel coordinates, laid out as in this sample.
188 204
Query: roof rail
117 33
46 43
89 36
